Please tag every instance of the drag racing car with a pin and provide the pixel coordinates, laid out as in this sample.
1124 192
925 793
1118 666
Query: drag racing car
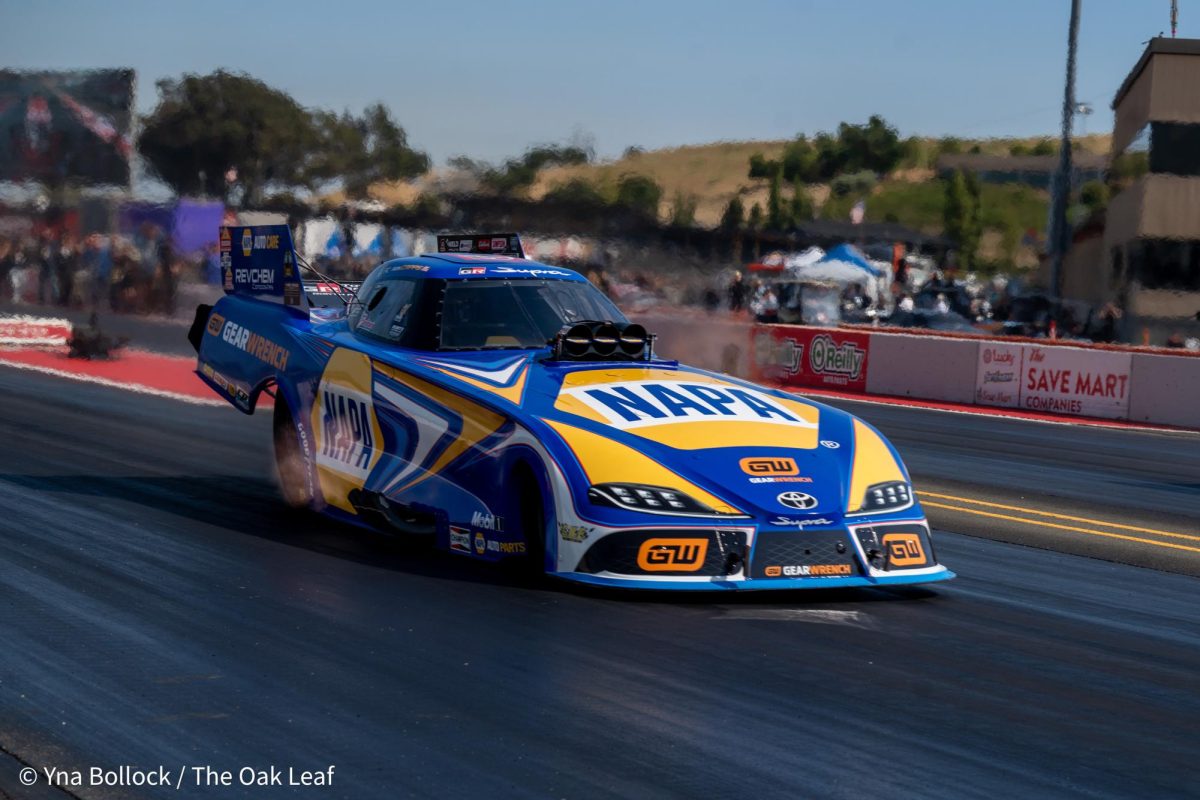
506 409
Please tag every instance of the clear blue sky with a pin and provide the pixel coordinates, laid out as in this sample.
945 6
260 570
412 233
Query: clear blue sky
487 79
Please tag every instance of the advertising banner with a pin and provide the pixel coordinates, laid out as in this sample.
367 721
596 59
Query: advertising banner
1054 379
1073 380
998 378
22 329
71 126
827 358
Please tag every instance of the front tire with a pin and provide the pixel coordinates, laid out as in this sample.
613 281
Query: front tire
533 522
291 458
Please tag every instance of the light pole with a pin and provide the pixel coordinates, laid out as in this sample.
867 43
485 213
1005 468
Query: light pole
1060 234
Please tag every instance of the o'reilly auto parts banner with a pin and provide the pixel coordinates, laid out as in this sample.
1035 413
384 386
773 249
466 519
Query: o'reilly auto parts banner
826 358
1054 379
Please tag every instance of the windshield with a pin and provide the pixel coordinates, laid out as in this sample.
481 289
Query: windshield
499 314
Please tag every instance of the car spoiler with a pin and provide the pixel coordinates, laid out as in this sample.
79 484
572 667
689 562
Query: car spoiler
492 244
260 261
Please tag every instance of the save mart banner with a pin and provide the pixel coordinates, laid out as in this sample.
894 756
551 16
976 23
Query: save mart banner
1054 379
794 355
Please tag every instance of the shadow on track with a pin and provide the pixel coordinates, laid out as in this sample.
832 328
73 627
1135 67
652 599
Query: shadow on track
251 506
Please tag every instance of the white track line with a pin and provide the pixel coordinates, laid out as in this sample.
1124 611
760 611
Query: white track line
131 387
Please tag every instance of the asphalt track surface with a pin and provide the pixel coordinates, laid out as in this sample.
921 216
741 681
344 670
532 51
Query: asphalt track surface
158 606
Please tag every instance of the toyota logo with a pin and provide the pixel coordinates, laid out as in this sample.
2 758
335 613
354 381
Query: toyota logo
797 500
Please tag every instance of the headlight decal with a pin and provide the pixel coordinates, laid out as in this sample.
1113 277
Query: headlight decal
651 499
606 461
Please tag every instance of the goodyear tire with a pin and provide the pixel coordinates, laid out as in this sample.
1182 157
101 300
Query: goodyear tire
291 457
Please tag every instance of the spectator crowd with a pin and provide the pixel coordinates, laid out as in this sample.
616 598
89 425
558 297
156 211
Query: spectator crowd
124 273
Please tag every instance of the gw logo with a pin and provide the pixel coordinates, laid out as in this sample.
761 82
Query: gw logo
769 466
215 323
904 550
672 555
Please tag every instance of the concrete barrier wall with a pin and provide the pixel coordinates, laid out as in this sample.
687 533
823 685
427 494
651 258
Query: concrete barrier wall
1165 389
931 368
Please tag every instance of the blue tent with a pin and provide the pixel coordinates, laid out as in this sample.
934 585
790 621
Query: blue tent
851 255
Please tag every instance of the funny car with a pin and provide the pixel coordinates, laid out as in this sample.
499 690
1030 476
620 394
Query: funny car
506 409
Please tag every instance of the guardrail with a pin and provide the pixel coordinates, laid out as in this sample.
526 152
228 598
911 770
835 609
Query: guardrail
1072 379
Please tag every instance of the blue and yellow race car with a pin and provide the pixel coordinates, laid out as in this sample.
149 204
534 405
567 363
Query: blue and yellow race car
506 409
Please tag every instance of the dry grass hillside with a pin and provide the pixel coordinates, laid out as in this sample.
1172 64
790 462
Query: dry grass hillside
714 173
711 173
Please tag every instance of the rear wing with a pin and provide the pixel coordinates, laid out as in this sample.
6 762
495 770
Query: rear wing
260 261
492 244
323 293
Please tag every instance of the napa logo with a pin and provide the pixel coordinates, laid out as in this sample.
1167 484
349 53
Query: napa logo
349 442
635 404
347 437
247 242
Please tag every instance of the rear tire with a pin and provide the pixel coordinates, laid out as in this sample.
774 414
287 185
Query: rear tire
291 459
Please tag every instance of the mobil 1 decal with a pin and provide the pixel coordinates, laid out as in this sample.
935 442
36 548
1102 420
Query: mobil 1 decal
349 441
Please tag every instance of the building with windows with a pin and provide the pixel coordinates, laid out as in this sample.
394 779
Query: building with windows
1152 228
1142 253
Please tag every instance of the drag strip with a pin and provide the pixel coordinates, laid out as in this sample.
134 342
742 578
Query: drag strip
163 609
1126 495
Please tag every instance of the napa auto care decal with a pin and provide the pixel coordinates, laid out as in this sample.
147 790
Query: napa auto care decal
819 357
1056 380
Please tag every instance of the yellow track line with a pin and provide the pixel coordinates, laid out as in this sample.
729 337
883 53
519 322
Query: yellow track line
1052 515
1044 524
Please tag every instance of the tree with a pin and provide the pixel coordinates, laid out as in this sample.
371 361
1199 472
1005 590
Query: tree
1094 195
961 216
754 222
207 126
775 216
800 160
975 227
761 167
734 215
639 193
208 131
576 191
875 146
802 207
1044 147
518 174
683 210
363 151
732 222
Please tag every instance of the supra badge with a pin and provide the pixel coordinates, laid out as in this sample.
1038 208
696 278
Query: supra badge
904 549
672 555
